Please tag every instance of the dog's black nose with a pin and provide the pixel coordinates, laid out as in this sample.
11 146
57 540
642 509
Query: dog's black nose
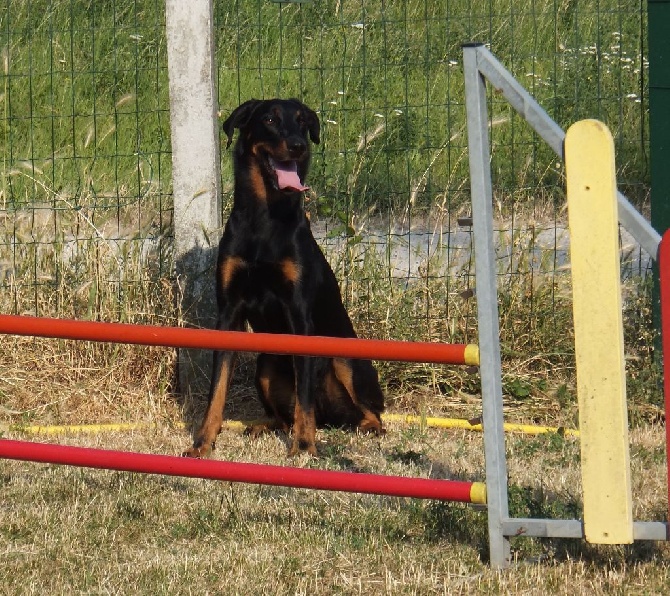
296 146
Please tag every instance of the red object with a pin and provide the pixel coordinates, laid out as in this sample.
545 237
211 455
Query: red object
238 341
664 274
397 486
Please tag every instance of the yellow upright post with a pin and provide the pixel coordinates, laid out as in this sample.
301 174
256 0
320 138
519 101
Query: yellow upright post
599 352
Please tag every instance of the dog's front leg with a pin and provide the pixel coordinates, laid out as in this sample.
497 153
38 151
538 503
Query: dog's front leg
304 421
222 372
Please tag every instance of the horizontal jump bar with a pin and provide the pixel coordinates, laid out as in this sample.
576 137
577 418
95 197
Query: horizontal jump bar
396 486
573 528
241 341
240 425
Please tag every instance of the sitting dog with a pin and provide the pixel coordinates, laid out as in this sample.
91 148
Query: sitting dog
272 275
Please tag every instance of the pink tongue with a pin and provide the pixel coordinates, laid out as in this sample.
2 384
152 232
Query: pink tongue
287 175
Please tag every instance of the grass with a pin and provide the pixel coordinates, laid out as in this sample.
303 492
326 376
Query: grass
387 81
86 232
84 531
86 108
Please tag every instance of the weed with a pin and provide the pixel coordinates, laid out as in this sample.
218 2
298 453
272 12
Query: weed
549 450
406 457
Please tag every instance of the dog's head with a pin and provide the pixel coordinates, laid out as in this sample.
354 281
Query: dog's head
276 134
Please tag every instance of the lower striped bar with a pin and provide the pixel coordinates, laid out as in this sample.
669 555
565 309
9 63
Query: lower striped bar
396 486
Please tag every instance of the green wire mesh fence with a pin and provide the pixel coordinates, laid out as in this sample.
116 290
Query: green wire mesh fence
84 144
85 195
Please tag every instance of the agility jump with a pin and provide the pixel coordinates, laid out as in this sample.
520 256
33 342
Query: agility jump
464 354
607 517
396 486
589 157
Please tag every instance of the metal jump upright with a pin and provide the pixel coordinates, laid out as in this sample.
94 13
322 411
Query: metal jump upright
481 66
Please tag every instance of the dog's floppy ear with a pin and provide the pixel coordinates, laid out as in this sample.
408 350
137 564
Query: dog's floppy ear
313 125
312 121
239 118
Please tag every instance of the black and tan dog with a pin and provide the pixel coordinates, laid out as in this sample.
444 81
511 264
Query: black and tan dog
272 274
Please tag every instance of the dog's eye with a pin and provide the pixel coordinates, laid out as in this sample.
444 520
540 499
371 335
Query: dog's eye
271 120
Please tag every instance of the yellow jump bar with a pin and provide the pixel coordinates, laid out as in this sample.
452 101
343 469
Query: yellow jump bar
240 425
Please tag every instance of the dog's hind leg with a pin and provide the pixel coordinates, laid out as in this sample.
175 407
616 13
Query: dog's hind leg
370 421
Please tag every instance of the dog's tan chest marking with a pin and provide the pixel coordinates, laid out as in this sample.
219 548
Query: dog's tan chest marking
290 270
229 268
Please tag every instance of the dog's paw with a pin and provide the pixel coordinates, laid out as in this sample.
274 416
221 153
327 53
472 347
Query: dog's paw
258 430
301 446
371 424
199 450
265 428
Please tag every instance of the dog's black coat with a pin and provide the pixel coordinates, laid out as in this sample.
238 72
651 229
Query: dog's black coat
272 274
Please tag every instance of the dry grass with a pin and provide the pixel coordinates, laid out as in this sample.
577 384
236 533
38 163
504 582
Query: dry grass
68 530
82 531
61 382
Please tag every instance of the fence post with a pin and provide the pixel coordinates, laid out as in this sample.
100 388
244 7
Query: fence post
664 282
195 169
659 131
659 103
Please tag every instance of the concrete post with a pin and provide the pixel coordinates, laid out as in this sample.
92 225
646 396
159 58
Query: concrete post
195 171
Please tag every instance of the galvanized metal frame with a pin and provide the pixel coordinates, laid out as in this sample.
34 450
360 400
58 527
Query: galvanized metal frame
481 66
487 308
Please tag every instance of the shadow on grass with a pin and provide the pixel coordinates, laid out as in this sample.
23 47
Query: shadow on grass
535 502
468 524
